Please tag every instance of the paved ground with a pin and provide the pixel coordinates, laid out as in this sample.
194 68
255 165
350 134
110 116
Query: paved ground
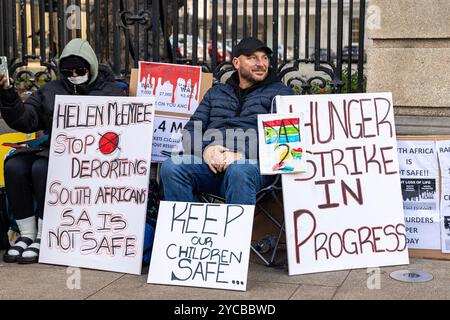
53 282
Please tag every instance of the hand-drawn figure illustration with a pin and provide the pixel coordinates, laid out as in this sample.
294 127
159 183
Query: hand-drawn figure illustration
281 150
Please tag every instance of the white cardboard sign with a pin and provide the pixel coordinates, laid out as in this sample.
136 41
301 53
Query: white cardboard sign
167 136
97 184
346 211
176 89
202 245
419 173
443 148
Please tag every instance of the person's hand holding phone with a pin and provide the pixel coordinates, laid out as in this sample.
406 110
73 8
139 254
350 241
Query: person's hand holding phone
8 95
4 74
5 83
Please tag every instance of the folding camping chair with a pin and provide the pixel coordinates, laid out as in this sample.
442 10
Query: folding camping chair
260 196
22 145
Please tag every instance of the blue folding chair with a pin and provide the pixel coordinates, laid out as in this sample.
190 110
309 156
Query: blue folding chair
23 145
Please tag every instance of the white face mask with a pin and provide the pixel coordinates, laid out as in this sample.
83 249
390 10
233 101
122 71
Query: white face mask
79 80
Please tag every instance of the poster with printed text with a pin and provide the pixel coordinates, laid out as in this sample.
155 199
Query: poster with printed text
443 148
346 211
419 173
176 89
202 245
281 147
167 136
97 185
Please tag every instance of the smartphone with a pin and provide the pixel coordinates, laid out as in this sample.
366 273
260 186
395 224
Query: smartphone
4 69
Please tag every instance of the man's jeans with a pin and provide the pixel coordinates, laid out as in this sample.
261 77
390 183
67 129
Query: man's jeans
186 176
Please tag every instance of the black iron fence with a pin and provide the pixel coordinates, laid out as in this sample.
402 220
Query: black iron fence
318 45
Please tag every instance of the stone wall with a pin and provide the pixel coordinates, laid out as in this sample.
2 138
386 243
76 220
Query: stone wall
411 58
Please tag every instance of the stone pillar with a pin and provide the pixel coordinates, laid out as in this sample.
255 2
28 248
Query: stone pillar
410 57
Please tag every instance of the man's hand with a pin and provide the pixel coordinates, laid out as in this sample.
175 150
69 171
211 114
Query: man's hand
8 94
214 157
230 157
219 158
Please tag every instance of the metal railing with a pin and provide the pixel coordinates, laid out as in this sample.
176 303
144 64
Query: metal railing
326 36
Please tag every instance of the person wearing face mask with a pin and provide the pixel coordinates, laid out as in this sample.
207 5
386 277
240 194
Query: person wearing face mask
26 170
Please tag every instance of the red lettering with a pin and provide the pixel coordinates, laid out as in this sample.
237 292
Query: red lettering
328 204
346 189
340 245
322 245
366 240
385 162
402 234
391 234
344 237
376 239
383 121
297 215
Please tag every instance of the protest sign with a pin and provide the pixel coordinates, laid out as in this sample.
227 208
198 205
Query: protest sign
176 89
97 185
419 173
202 245
281 144
443 148
166 135
346 211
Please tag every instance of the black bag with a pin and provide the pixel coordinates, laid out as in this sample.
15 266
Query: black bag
4 222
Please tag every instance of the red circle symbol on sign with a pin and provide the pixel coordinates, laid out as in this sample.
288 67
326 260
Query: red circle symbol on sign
108 143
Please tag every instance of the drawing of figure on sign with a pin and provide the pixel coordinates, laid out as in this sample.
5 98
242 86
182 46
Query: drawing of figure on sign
281 149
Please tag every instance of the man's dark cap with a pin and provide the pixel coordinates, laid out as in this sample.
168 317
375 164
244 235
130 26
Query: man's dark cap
248 46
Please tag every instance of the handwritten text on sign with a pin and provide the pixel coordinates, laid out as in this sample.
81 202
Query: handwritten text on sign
346 211
97 183
202 245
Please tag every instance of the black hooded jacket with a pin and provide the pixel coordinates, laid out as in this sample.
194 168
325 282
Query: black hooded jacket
36 113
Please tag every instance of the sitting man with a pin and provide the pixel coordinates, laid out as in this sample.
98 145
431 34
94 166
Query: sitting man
228 113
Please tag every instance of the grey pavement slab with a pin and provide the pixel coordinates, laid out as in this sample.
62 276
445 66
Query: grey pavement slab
137 289
280 274
356 285
39 281
311 292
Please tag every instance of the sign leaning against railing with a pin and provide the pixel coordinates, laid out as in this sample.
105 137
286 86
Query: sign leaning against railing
419 173
176 89
425 174
443 148
346 211
97 185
